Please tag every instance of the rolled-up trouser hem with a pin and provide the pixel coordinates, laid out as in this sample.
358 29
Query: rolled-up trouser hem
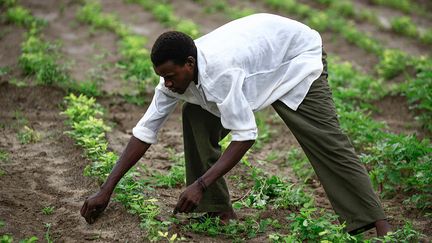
359 227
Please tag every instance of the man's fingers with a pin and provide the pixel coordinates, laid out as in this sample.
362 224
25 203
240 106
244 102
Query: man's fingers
84 209
92 215
179 206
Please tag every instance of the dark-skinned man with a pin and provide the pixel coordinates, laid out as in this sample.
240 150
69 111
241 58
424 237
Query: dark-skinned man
224 77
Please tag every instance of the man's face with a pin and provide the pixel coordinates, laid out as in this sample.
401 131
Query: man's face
177 77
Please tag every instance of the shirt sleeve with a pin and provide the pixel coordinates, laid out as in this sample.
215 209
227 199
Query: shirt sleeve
148 126
236 113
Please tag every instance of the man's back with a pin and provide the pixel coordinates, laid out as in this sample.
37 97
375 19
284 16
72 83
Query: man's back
264 55
259 42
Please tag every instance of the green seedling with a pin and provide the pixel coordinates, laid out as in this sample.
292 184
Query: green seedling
48 210
27 135
47 233
4 156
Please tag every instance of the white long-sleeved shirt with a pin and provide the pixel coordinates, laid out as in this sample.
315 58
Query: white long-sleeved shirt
243 66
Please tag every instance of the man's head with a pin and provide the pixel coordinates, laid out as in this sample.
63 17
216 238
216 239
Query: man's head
174 56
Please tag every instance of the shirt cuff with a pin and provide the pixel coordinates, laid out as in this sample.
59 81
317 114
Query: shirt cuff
244 135
144 134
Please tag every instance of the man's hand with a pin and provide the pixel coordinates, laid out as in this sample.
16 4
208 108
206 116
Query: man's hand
94 206
189 199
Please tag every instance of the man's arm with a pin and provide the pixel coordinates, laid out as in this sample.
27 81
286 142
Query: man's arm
191 197
96 204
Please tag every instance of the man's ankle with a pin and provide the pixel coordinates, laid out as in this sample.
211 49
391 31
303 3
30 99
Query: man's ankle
382 227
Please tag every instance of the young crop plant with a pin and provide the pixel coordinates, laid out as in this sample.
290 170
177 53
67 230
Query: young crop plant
352 86
426 37
311 226
272 191
404 25
176 175
164 14
393 62
23 17
48 210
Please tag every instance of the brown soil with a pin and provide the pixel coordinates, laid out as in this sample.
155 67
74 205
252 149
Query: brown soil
396 114
49 172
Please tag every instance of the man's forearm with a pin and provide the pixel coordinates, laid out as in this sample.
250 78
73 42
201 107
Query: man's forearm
134 150
227 161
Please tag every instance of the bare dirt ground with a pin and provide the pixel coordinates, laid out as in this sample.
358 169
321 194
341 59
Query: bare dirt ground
49 172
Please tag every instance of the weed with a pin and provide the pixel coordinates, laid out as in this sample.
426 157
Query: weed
20 119
47 233
28 135
2 224
4 71
168 238
17 82
48 210
4 156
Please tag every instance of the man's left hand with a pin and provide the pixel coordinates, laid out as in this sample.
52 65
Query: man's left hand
189 199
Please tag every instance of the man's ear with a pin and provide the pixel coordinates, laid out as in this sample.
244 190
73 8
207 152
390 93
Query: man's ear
190 61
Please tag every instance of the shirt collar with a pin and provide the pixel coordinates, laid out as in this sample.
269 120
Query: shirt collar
202 63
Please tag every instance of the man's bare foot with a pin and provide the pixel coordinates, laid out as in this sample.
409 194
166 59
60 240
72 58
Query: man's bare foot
382 227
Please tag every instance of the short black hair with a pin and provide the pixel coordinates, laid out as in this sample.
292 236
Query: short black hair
173 46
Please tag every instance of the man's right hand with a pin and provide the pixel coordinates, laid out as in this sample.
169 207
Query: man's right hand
94 206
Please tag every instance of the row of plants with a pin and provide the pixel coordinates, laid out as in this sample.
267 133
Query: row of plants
406 6
88 130
164 13
232 12
136 59
38 59
403 25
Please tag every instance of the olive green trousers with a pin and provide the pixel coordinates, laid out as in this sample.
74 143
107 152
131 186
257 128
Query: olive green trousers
316 127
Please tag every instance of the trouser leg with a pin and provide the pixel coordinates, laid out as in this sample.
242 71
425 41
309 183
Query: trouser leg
202 132
344 178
